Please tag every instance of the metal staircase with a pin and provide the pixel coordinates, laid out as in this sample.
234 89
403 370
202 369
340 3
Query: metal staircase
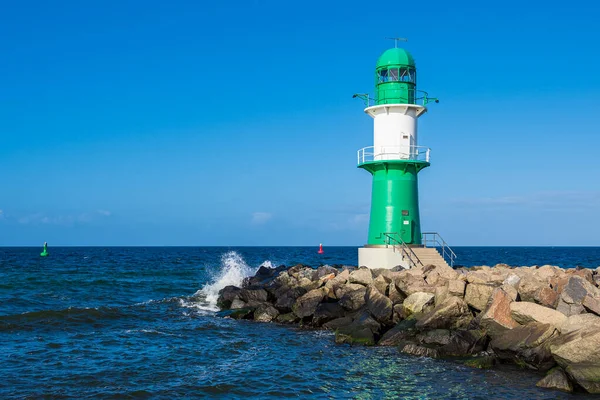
418 256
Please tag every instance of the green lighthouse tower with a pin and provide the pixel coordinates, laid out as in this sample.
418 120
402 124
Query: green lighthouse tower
394 161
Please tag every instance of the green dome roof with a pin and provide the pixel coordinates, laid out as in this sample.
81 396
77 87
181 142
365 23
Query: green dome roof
395 56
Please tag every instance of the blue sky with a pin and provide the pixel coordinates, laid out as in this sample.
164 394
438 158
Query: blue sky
233 123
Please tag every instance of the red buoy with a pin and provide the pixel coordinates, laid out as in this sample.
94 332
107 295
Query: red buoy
320 248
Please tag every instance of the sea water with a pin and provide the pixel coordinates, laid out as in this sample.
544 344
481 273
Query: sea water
118 322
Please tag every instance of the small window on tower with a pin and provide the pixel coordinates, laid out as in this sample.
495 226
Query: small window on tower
393 72
383 75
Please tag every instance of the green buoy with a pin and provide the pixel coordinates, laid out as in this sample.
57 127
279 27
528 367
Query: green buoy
44 253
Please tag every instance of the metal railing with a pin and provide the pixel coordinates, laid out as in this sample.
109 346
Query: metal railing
405 250
381 153
411 96
433 239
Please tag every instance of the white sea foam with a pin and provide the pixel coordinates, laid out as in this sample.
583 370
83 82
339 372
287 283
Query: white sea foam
232 272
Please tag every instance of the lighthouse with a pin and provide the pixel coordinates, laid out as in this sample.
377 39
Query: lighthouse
394 161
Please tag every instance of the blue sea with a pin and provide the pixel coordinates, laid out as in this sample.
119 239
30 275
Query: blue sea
134 322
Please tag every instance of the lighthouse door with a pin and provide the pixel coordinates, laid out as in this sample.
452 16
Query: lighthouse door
406 230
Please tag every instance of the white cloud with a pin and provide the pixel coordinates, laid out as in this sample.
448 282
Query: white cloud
65 220
261 217
543 200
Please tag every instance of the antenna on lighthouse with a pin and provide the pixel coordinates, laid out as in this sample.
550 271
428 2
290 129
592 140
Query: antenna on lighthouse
396 39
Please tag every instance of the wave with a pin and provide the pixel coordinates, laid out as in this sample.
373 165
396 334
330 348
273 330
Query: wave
232 271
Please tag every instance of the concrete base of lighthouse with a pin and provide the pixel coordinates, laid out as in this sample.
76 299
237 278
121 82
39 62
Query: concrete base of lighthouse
381 257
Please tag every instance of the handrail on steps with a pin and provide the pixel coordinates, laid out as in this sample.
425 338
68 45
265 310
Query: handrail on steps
404 248
436 240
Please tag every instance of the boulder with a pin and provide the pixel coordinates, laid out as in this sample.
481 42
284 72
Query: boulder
477 295
419 351
452 313
456 288
353 334
577 347
439 337
574 294
441 294
547 297
381 283
237 304
378 305
337 323
364 318
511 291
409 284
524 313
591 304
287 318
481 362
580 321
403 331
586 375
497 317
307 304
227 295
464 343
353 300
326 312
417 303
529 286
556 379
361 276
526 345
512 280
265 313
325 270
286 299
394 294
253 295
340 279
341 290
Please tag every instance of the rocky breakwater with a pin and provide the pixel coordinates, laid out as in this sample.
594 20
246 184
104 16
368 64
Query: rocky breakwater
541 318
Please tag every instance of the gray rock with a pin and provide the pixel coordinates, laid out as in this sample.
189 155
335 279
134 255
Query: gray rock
578 322
362 276
556 379
307 304
417 303
526 345
477 295
497 317
364 319
326 312
419 351
288 318
341 290
227 295
253 295
524 313
355 335
381 283
394 294
586 375
464 343
326 270
354 300
237 304
378 305
398 334
452 313
338 323
265 313
438 337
